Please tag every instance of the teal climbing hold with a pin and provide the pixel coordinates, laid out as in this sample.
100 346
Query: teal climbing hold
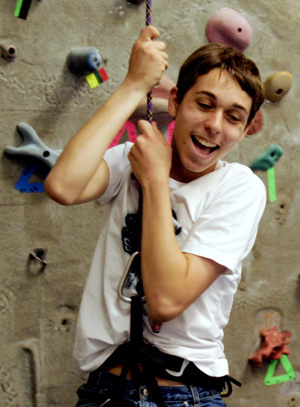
268 159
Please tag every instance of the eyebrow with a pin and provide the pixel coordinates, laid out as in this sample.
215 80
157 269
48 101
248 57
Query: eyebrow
213 96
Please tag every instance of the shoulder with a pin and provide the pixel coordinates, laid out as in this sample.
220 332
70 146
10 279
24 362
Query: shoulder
242 189
240 174
236 187
237 168
229 182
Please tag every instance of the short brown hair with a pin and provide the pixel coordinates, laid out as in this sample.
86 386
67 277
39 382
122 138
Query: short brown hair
224 57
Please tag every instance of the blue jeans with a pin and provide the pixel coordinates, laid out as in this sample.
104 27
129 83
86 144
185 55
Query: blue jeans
132 395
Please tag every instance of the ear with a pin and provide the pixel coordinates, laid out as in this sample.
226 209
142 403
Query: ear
247 128
173 102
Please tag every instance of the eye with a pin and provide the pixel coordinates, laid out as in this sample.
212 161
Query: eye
234 118
204 106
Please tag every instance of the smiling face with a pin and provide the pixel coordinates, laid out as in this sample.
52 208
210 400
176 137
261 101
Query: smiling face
209 121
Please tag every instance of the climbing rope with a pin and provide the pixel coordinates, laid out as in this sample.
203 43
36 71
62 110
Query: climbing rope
149 96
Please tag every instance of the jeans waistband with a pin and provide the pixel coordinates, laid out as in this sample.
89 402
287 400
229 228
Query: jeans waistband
135 391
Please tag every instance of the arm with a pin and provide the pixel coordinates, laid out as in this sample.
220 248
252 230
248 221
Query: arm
172 280
80 174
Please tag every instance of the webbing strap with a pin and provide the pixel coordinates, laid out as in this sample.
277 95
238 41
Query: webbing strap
136 342
134 357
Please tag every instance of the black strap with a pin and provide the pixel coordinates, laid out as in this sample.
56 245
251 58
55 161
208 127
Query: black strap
133 357
227 382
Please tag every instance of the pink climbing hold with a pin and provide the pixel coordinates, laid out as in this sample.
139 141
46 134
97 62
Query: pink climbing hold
227 26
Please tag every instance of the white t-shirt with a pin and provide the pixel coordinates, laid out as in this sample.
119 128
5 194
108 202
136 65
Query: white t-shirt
219 215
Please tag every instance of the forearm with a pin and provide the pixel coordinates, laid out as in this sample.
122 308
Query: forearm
82 157
164 266
172 280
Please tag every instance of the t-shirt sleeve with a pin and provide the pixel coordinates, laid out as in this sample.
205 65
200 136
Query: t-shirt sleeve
226 228
118 165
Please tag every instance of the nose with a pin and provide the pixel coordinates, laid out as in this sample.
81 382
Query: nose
213 122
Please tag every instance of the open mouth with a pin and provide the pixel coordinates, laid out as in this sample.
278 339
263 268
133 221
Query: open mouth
204 146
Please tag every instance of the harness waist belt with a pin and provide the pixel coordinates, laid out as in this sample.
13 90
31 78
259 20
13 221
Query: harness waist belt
162 363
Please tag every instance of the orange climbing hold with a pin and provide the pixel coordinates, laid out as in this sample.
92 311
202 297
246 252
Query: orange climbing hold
273 346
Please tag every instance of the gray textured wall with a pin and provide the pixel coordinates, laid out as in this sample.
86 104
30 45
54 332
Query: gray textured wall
38 308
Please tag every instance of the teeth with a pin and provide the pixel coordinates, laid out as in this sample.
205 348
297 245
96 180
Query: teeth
204 142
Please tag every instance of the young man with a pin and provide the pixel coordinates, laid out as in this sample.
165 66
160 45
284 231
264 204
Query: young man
189 278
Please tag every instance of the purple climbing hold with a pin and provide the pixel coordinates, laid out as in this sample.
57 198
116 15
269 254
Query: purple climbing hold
227 26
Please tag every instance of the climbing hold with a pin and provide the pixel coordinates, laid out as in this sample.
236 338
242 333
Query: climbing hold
131 132
288 376
37 261
256 125
83 61
278 85
97 77
273 346
268 159
227 26
8 52
22 8
23 184
32 146
39 254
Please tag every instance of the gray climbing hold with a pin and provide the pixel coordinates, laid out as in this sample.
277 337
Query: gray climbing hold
32 146
82 61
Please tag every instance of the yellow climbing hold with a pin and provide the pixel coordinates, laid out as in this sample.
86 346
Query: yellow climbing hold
278 85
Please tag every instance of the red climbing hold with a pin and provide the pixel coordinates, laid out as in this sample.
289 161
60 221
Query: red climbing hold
273 346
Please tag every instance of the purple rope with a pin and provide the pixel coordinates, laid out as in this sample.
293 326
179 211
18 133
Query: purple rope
149 96
155 327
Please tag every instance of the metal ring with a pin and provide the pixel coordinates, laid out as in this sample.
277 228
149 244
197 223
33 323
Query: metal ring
123 279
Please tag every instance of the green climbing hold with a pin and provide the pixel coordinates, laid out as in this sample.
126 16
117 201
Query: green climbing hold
288 376
268 159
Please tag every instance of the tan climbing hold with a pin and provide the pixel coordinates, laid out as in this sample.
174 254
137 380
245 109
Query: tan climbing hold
278 85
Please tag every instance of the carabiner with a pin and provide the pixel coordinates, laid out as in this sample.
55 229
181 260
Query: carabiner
125 278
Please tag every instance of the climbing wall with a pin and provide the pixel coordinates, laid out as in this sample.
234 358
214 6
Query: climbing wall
46 249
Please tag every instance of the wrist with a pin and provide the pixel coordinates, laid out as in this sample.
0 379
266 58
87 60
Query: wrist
138 88
155 188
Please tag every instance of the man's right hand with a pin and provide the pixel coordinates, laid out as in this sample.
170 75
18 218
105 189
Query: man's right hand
148 60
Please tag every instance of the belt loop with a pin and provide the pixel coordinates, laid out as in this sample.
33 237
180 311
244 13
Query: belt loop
195 395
